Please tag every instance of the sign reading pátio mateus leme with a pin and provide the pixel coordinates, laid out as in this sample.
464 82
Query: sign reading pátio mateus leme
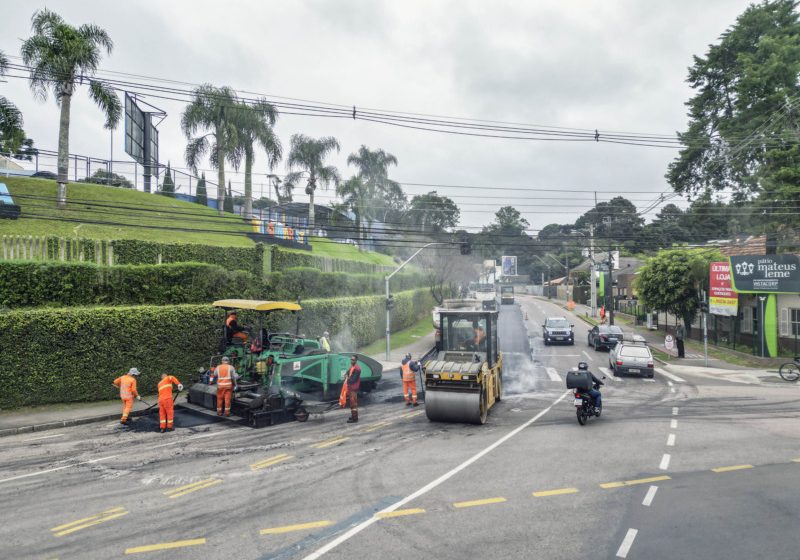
766 273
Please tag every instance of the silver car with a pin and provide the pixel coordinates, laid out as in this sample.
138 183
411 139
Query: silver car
631 358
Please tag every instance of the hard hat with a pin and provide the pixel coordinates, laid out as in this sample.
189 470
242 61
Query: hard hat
326 334
583 366
226 360
408 355
133 371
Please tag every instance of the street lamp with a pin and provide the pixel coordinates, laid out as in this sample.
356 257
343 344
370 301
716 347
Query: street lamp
547 264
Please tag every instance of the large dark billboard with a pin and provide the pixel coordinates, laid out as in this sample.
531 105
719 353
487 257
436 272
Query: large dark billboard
766 273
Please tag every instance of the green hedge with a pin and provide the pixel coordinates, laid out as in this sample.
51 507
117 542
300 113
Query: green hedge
65 355
58 284
133 251
283 259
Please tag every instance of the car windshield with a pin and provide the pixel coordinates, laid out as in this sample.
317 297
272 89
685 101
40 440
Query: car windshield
557 323
463 332
635 352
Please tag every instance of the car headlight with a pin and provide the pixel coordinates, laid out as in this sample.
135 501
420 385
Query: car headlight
435 376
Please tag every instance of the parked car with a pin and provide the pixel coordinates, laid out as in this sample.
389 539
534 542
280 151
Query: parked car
631 357
557 329
45 175
604 336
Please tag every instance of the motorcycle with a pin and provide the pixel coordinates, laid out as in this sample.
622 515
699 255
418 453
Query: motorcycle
584 405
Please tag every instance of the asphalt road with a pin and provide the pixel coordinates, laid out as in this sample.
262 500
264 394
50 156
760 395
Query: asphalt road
689 467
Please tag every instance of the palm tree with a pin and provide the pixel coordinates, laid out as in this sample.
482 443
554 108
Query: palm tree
60 56
354 197
373 170
307 159
12 135
213 109
254 124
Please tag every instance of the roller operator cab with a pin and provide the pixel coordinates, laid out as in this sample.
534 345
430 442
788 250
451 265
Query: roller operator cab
464 379
506 295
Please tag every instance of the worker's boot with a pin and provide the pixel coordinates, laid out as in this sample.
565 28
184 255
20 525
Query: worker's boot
408 403
123 422
416 403
163 430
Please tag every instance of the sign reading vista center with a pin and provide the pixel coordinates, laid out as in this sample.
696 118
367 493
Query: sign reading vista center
777 274
722 300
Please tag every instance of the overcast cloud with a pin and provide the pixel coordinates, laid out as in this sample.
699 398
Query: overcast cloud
611 65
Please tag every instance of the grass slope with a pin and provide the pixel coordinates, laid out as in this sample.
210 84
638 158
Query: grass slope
327 248
128 214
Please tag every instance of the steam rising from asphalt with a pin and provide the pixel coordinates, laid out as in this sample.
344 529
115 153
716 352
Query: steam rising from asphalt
519 374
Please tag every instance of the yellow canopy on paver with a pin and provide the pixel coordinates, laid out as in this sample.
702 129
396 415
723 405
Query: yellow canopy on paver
256 305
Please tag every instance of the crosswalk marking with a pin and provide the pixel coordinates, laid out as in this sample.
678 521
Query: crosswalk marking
608 373
553 374
669 375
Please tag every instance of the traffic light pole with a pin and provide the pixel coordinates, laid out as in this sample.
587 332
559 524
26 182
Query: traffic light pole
389 297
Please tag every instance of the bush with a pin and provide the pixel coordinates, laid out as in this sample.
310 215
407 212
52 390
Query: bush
134 251
64 355
283 259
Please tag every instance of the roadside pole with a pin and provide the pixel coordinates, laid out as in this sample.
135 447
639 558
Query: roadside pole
592 279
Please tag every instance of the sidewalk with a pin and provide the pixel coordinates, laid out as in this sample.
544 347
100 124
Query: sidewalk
51 417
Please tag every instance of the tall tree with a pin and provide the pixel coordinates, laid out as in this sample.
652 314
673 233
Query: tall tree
12 135
307 160
433 211
201 193
616 220
228 205
213 109
354 196
743 118
384 195
255 124
60 57
168 186
508 219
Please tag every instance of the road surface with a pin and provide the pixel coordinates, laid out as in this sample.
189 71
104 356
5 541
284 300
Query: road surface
676 467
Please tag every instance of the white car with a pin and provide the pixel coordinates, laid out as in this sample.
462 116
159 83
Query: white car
631 358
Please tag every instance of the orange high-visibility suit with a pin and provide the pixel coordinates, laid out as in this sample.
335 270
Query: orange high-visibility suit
409 382
225 373
233 329
127 392
165 403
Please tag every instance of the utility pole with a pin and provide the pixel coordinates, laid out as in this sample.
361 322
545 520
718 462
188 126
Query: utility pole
609 295
592 284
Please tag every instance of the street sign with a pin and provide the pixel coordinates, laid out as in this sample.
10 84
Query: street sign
777 274
669 342
723 300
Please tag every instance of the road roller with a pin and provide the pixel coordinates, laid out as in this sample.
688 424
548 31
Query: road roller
464 378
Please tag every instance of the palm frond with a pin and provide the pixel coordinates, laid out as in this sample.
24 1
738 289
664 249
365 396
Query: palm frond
196 150
3 63
106 98
96 36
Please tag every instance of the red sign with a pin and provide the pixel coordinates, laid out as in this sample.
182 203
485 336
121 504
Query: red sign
723 300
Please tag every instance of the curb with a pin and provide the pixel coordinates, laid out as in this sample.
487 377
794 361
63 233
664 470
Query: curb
65 423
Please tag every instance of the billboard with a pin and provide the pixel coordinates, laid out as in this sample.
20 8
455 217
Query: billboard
509 265
141 136
722 299
777 274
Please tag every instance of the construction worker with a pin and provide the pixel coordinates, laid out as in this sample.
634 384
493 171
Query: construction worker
165 402
324 343
127 392
353 383
225 376
233 330
409 380
479 335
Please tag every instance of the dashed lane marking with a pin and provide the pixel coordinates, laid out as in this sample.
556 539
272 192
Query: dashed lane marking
796 460
164 546
635 482
412 414
608 373
675 378
46 471
552 373
588 357
297 527
671 440
270 461
41 437
673 424
627 542
669 383
732 468
664 462
556 492
674 410
330 442
90 521
194 487
484 502
672 389
377 426
648 498
398 513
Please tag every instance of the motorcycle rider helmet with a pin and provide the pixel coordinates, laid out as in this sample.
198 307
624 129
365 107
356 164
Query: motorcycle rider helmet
583 366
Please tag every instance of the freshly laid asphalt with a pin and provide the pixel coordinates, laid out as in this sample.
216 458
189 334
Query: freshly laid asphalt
689 466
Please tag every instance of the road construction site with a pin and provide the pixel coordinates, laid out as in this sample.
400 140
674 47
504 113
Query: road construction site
661 474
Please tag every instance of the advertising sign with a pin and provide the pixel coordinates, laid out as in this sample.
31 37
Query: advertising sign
509 266
777 274
669 342
722 300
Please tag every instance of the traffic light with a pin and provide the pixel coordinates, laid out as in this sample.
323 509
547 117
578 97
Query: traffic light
704 307
390 302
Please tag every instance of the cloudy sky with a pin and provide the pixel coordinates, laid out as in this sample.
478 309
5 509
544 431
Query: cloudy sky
590 64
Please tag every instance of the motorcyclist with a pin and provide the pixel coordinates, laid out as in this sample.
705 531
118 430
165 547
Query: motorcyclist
596 384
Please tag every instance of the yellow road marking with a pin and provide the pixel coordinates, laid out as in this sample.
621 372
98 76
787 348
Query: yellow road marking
164 546
189 488
85 519
732 468
327 443
648 480
412 414
399 513
377 426
557 492
483 502
796 460
298 527
270 462
100 519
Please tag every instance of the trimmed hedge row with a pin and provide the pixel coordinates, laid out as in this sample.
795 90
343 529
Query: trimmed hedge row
65 355
34 284
133 251
283 259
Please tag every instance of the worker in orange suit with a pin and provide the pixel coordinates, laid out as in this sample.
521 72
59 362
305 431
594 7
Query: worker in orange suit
165 403
233 330
225 376
127 392
353 383
409 380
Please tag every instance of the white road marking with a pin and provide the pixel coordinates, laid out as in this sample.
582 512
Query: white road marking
648 498
41 437
673 424
553 374
669 383
37 473
672 389
671 440
669 375
674 410
430 486
608 373
625 547
664 462
588 357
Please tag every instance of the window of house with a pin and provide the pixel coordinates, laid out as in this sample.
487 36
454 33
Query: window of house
794 322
